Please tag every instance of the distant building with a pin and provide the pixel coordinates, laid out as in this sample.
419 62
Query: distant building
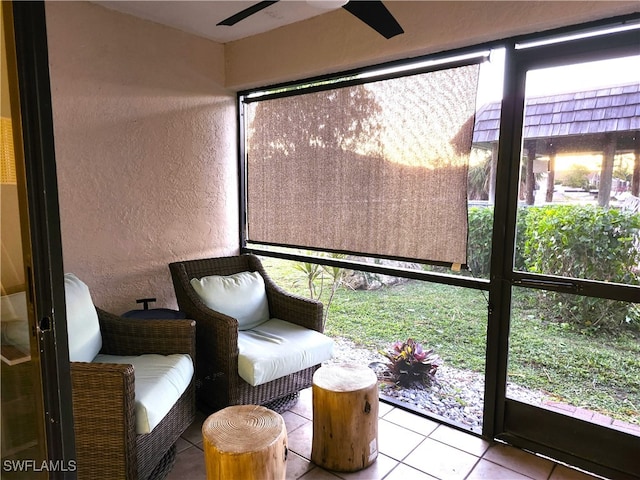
604 121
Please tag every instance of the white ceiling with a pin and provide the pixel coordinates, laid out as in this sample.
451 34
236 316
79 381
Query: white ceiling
201 16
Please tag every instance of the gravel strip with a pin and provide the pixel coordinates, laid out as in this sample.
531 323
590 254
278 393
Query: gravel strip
455 394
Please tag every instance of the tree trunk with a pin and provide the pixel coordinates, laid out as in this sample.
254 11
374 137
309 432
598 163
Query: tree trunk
345 418
247 442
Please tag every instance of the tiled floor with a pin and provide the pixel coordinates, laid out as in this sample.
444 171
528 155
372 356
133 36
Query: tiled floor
410 446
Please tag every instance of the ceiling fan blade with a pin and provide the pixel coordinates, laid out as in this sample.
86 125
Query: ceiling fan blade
376 15
233 19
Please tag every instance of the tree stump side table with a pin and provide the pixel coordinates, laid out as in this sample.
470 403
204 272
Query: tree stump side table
246 442
345 417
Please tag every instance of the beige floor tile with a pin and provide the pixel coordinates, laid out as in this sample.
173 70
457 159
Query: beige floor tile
304 405
377 470
182 444
486 470
396 441
560 472
405 472
193 433
413 422
318 473
445 453
440 460
297 466
293 421
300 440
520 461
459 439
384 408
189 465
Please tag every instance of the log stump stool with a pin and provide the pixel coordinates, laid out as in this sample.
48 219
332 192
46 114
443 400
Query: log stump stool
345 417
247 442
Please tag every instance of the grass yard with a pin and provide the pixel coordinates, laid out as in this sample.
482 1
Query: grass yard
597 372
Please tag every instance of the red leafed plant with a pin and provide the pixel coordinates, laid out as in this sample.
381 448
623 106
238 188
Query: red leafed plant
410 363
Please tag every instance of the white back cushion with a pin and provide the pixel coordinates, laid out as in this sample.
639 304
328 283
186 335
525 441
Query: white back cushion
83 328
242 296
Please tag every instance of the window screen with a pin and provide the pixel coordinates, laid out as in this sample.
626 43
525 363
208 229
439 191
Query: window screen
376 169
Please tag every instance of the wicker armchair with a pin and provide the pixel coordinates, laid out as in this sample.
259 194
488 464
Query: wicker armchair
107 445
217 381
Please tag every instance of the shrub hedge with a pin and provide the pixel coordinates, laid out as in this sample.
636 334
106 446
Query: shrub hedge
579 241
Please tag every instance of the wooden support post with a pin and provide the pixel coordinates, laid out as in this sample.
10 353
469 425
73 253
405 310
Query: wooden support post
345 417
606 172
247 442
551 178
530 178
492 173
635 178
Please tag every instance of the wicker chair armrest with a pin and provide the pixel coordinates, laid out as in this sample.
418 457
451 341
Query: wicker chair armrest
294 308
104 419
288 306
216 324
129 336
216 332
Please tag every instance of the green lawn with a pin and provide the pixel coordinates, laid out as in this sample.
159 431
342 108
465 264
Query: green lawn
597 372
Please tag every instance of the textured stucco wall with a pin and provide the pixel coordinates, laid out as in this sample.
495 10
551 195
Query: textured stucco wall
337 41
145 141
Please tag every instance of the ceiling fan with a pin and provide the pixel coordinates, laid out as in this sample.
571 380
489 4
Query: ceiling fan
373 13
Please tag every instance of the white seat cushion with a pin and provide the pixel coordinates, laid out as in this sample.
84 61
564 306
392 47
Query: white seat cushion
160 380
83 327
277 348
242 296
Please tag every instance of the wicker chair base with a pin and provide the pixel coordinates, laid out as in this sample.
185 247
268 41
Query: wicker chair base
283 404
165 465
